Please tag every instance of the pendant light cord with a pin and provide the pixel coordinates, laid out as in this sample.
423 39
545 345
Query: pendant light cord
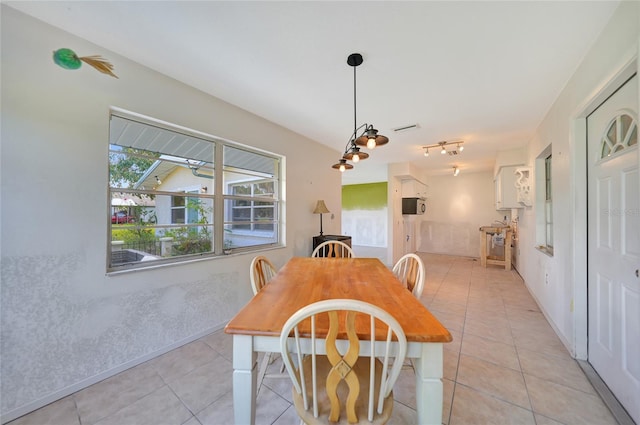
355 118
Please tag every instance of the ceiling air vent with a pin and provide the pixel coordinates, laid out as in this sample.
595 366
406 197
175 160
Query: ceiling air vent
406 128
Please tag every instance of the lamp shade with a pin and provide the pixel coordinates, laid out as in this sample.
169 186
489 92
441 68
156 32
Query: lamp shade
321 208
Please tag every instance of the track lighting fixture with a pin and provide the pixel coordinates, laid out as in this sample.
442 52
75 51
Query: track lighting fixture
158 180
443 147
456 171
369 136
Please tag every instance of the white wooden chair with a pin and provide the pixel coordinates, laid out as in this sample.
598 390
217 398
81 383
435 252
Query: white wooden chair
333 249
325 382
410 271
261 272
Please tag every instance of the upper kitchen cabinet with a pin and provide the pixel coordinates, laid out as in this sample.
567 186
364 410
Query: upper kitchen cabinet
506 195
412 188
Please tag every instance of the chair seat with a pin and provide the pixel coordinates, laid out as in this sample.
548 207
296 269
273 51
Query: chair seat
361 368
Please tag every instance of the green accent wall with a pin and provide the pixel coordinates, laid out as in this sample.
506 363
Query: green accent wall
370 196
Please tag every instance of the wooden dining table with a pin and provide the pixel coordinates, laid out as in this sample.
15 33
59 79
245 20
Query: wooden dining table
303 281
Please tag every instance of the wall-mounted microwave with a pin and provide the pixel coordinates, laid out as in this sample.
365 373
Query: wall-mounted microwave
413 206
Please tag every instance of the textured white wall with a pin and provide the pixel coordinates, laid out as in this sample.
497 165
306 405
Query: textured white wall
64 323
563 298
456 208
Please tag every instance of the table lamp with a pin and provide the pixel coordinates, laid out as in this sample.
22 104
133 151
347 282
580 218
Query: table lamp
321 208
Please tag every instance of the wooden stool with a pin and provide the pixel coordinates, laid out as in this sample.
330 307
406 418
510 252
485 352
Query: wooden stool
492 259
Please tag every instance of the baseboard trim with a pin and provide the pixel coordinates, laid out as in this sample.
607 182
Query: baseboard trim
57 395
617 410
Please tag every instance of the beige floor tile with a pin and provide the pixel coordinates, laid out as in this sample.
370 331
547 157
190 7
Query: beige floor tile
447 307
488 317
59 412
218 412
456 343
160 407
269 407
444 298
485 299
540 343
496 318
447 399
495 352
565 404
183 360
289 417
405 389
220 342
561 370
543 420
450 367
204 385
449 319
402 415
109 396
500 332
474 407
500 382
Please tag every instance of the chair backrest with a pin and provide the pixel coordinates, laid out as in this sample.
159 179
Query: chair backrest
344 318
333 249
410 271
261 272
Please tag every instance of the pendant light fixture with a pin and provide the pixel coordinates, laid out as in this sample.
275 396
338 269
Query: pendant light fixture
369 136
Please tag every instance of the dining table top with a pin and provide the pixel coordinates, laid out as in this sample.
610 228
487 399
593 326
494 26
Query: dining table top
305 280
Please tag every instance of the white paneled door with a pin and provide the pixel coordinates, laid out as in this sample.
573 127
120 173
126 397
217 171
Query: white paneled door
614 245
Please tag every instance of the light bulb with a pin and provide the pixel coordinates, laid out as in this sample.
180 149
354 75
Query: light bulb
461 148
443 151
371 143
355 158
342 168
426 153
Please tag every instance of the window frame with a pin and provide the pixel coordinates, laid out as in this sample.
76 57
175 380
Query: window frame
214 197
548 204
544 201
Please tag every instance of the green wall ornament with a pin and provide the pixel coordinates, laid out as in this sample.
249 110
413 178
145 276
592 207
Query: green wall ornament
67 59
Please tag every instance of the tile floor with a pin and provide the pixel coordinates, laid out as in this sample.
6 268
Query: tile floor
504 366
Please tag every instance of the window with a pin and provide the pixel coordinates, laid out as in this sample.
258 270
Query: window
164 206
622 132
548 204
544 201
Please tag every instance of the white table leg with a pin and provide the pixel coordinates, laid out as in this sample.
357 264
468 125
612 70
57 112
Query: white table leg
244 380
429 389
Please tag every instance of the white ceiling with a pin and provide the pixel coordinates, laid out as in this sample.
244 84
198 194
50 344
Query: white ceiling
482 71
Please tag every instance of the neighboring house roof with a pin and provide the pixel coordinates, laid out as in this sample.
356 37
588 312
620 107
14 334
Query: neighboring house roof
120 199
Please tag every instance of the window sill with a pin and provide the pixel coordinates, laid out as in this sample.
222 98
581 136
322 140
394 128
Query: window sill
545 250
152 266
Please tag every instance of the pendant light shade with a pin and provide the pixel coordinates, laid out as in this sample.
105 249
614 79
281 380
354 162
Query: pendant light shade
354 154
371 138
342 165
368 138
